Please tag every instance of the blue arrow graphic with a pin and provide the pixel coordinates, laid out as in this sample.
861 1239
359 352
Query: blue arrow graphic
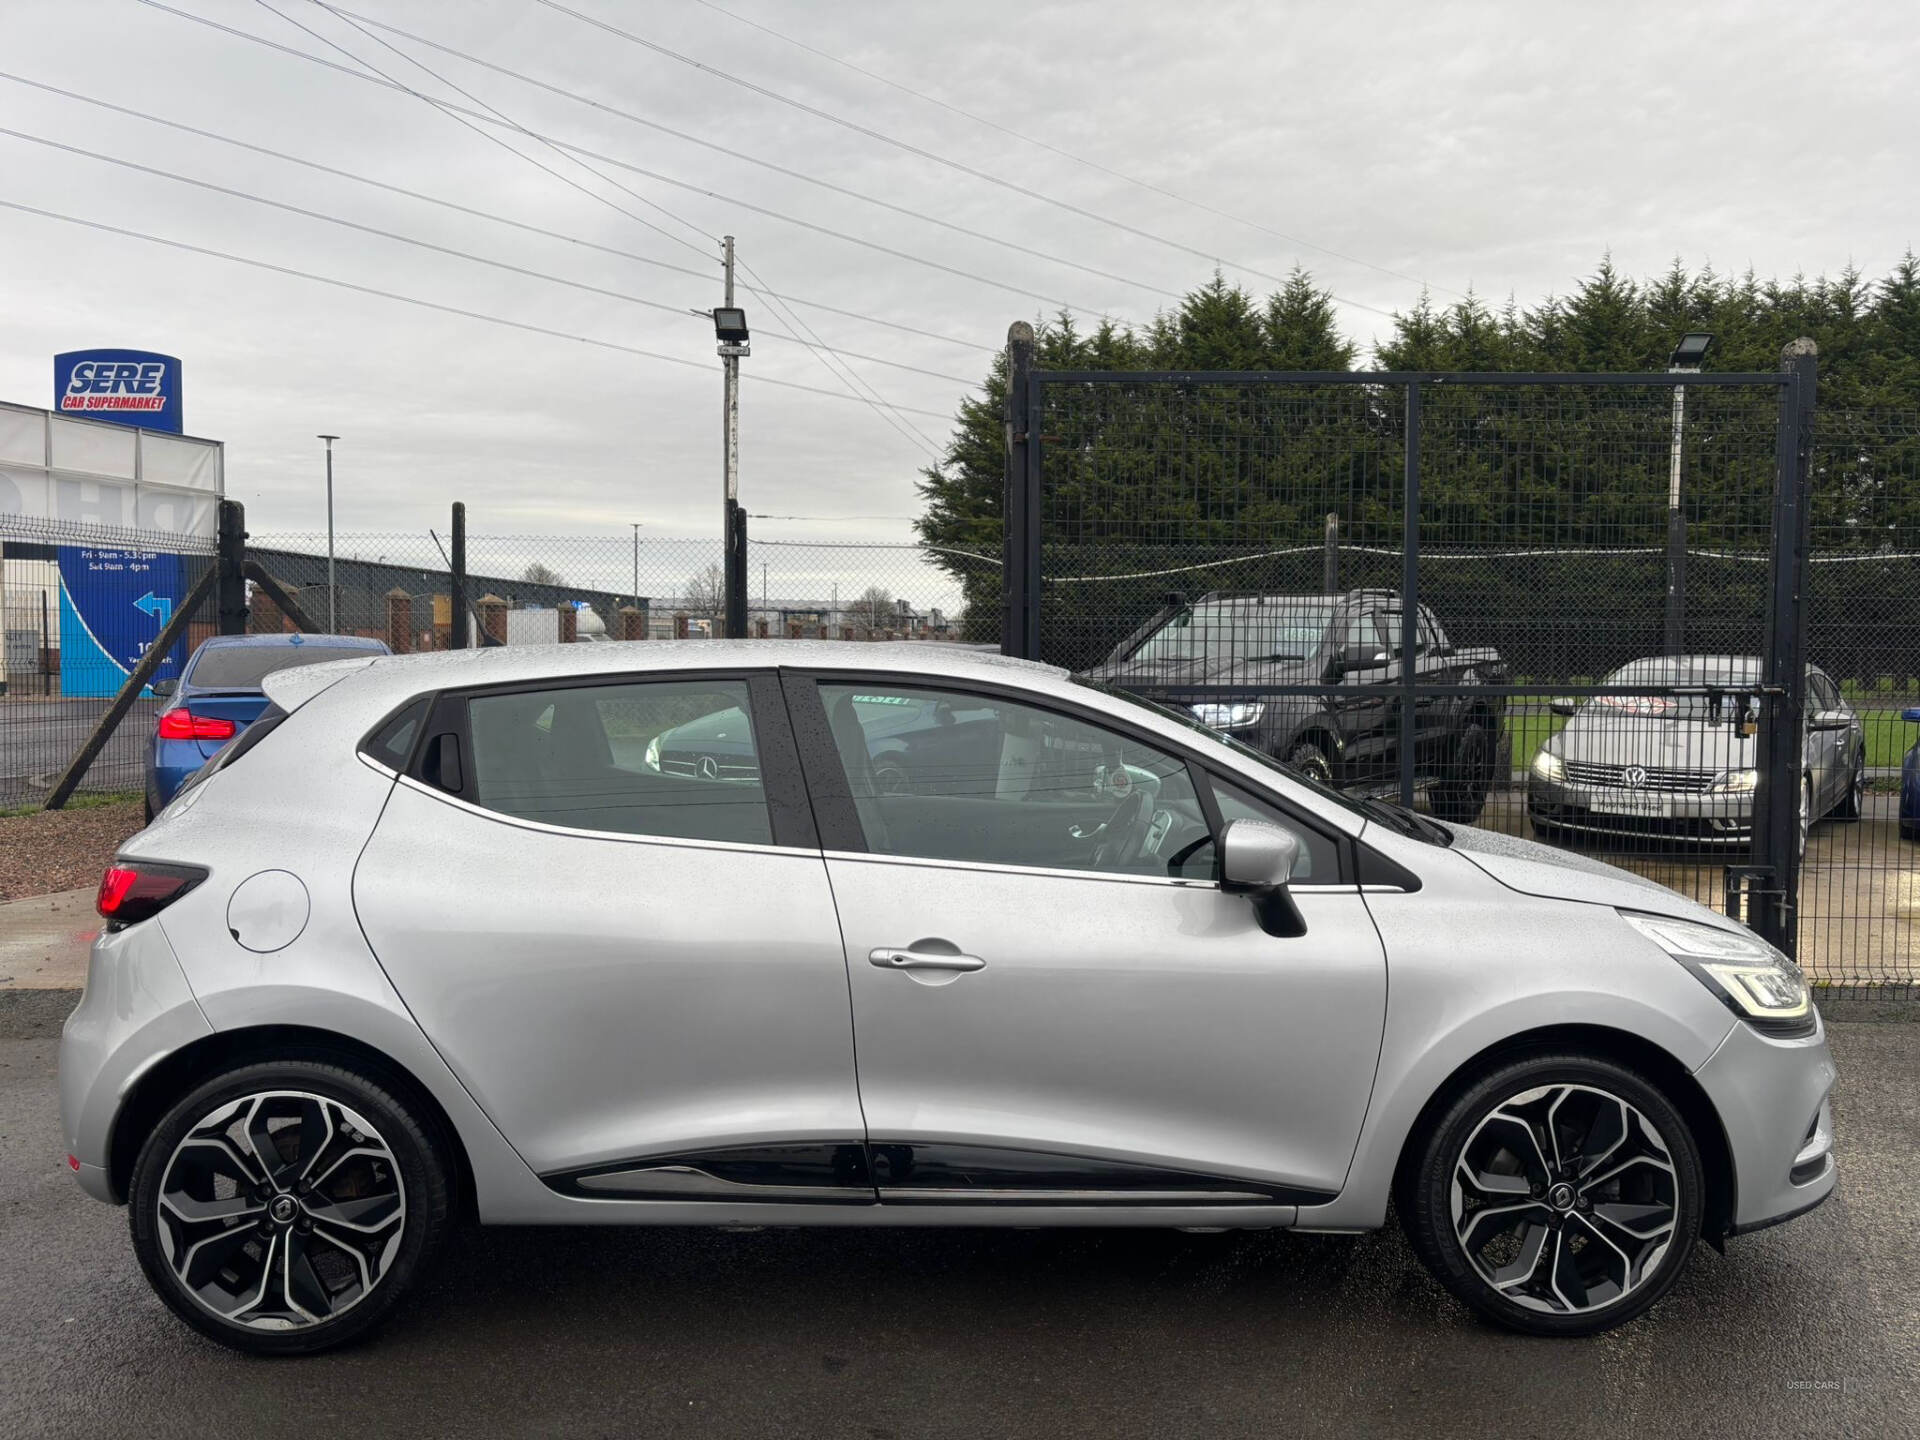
152 604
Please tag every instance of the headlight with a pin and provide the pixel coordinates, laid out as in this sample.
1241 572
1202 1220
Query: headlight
1549 766
1756 981
652 758
1229 717
1737 782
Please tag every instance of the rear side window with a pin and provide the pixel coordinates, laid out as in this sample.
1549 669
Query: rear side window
392 742
243 667
676 759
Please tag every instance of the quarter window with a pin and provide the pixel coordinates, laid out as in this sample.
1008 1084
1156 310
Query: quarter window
675 759
945 775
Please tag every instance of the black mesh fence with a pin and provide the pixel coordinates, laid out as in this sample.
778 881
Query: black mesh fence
1592 564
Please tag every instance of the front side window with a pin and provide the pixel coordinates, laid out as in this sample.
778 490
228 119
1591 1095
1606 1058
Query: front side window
675 759
991 780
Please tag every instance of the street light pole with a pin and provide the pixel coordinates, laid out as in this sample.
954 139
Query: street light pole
636 561
1685 360
730 330
333 620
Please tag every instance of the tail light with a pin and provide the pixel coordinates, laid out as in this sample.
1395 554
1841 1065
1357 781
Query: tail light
185 725
136 890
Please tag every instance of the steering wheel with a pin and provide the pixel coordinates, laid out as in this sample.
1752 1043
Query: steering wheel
1127 830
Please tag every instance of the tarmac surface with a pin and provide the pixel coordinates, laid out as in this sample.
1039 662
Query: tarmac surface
1811 1328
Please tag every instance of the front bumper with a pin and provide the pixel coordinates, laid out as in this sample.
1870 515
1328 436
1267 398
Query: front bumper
1702 817
136 1011
1772 1097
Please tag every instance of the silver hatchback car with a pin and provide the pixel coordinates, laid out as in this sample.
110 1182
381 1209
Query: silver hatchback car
449 935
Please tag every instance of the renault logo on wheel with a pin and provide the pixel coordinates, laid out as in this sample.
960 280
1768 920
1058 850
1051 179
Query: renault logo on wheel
1634 777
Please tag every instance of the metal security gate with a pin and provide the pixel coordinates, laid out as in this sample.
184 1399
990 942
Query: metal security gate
1548 604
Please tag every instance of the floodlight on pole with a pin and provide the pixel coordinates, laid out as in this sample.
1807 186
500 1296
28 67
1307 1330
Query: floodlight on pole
1687 358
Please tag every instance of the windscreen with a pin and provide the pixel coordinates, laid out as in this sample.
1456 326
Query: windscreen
1738 674
243 667
1281 628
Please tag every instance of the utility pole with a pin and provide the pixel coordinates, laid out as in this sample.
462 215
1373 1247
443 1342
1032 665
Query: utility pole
636 562
333 620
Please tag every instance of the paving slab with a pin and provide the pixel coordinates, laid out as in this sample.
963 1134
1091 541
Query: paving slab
44 940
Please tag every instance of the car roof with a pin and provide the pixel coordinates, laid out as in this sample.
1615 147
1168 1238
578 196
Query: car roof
407 675
331 642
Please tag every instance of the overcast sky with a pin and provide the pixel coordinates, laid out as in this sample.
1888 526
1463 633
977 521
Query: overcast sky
1498 146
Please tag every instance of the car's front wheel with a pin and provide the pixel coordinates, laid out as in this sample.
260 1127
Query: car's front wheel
1459 797
285 1206
1559 1194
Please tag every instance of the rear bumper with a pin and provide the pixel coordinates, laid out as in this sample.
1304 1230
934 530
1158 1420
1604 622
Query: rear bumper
169 766
1772 1097
136 1011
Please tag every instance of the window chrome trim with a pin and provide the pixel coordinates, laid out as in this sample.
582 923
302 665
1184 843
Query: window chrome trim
995 867
570 832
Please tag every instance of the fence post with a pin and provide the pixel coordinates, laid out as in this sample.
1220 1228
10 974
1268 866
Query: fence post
633 622
1019 579
493 619
1410 598
230 591
1330 564
736 572
399 621
457 578
1776 819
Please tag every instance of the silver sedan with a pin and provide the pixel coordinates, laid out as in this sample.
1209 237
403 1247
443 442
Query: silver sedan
1683 766
463 933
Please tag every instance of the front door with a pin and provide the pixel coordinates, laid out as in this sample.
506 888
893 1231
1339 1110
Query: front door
605 906
1053 999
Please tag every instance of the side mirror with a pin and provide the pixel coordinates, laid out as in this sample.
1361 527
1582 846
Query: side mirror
1257 860
1563 705
1831 720
164 688
1361 657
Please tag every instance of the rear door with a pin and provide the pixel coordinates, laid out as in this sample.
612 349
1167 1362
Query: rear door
633 964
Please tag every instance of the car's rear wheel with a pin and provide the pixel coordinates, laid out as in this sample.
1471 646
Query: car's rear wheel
284 1207
1461 795
1559 1194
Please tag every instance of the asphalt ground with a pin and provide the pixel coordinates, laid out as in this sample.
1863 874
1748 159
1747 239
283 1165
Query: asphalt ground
38 739
1812 1328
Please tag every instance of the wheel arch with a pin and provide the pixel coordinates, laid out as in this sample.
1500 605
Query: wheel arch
1636 1052
225 1050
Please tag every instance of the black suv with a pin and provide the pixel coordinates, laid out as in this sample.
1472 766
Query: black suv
1349 736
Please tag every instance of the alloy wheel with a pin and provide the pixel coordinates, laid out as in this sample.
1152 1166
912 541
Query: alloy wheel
1565 1199
280 1210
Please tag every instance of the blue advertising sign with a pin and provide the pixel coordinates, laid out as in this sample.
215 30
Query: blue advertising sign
128 387
113 604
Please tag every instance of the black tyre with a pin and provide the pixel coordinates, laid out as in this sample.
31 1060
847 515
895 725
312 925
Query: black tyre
1311 760
284 1207
1559 1194
1853 803
1460 795
146 810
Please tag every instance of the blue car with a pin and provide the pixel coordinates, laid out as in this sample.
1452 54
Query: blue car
218 695
1910 783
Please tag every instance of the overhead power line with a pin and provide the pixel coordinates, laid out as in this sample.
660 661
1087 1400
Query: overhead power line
838 368
321 215
149 118
958 166
1053 149
580 150
423 304
776 168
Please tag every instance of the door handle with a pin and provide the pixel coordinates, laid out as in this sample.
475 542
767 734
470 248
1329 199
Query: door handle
888 959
